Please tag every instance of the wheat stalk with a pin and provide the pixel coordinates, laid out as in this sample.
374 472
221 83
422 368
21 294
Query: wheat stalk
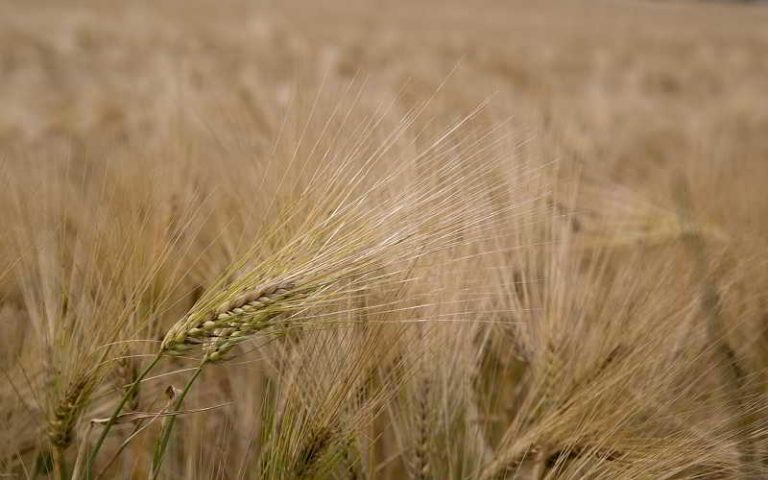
127 372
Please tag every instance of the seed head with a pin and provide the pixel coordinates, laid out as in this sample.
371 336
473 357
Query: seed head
219 329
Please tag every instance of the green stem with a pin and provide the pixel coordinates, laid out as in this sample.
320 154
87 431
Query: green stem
120 449
59 463
165 434
116 413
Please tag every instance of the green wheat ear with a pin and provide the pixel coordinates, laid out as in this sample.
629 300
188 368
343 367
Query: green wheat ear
219 329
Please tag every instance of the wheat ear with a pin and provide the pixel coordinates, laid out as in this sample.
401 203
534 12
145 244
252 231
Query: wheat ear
421 452
65 416
218 330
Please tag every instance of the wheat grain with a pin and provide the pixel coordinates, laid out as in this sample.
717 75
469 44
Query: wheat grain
220 329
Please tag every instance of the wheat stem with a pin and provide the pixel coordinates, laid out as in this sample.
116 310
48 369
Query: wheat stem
165 434
59 463
113 418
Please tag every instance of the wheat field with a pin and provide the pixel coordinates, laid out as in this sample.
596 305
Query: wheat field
383 240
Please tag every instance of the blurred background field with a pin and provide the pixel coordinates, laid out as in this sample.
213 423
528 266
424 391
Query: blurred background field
635 89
